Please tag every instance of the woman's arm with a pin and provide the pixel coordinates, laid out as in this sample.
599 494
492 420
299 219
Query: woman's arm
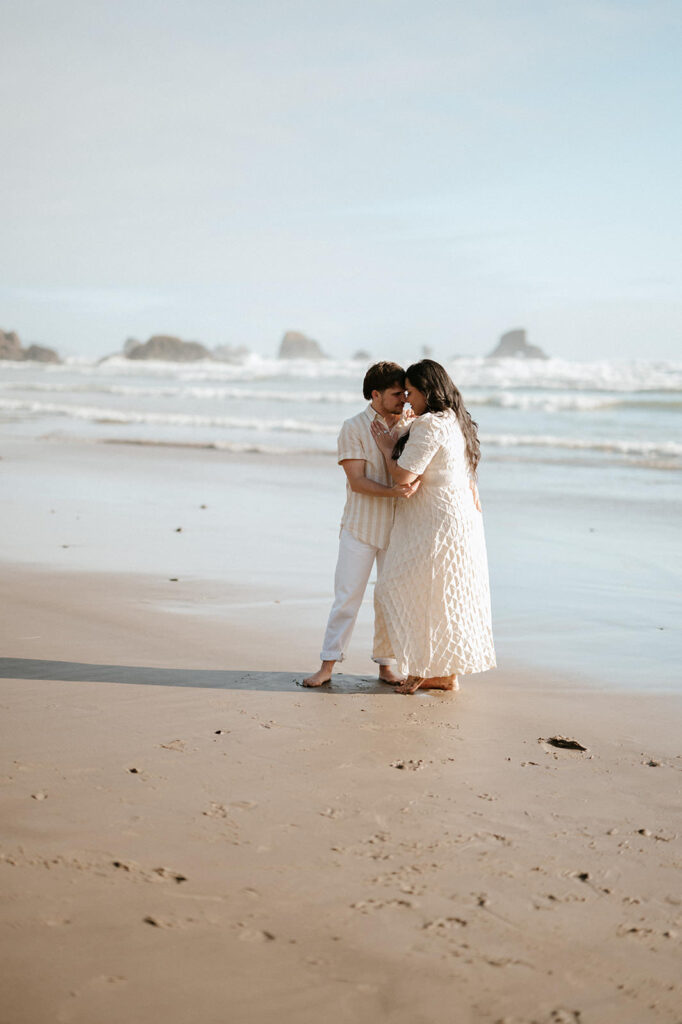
355 473
385 441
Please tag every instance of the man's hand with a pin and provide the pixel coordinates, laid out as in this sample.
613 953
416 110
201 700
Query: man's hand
406 490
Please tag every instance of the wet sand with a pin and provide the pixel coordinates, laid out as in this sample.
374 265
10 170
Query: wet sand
190 835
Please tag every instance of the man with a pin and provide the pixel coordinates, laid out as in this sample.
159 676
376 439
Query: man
367 516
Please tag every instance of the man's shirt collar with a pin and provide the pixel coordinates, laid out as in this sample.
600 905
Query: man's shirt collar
372 414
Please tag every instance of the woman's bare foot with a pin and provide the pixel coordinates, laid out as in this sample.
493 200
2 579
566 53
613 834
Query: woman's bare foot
387 675
441 683
414 683
411 685
322 676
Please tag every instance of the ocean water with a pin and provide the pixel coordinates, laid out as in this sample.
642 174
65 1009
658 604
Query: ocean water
581 481
603 413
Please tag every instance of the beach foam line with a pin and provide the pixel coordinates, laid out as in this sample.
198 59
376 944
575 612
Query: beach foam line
191 391
663 449
235 447
94 414
610 375
529 401
533 402
650 455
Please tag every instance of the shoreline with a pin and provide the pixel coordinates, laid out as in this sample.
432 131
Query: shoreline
191 835
162 619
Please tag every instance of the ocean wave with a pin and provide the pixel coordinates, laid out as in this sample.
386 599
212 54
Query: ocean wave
235 447
556 402
635 376
528 401
648 449
642 455
94 414
606 375
189 391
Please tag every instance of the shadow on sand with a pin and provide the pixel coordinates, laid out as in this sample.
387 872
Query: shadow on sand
215 679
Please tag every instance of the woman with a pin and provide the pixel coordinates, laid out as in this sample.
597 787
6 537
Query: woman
433 598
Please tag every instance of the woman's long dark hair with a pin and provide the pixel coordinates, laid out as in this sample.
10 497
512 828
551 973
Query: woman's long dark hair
440 393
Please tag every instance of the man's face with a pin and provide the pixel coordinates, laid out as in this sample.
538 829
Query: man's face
390 402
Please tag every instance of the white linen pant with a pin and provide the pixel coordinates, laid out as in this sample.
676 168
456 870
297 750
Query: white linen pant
353 569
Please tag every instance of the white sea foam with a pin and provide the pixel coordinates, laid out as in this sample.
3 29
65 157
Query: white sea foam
235 447
534 400
219 392
649 449
96 414
500 374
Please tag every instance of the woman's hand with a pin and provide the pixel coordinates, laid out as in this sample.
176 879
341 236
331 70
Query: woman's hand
406 490
474 491
385 439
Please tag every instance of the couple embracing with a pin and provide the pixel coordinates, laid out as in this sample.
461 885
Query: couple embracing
412 507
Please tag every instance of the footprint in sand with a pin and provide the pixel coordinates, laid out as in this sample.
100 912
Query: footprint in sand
413 766
561 742
255 935
152 875
365 906
216 811
176 745
169 922
444 924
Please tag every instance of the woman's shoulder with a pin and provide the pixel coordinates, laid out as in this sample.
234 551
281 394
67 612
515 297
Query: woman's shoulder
434 421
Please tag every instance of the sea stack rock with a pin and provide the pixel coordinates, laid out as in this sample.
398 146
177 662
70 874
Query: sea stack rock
165 347
295 345
513 345
41 354
10 348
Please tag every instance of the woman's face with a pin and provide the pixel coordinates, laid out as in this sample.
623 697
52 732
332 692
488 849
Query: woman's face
415 398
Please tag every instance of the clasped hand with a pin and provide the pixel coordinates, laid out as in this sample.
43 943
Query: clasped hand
385 438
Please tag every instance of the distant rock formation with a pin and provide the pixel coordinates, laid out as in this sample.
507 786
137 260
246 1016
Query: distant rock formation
231 354
10 348
513 345
361 354
163 346
295 345
41 354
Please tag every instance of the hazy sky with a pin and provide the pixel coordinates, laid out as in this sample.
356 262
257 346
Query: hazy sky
376 173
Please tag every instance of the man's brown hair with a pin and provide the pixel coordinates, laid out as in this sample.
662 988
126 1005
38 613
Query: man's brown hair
382 376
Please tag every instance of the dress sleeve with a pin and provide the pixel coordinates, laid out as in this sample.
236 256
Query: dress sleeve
349 444
422 444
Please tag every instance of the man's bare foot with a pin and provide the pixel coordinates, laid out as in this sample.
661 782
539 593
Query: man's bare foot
411 685
387 675
322 676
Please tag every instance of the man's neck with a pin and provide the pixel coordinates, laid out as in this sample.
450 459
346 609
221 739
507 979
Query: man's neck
391 418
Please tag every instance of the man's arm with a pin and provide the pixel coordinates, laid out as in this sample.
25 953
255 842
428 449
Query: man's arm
360 484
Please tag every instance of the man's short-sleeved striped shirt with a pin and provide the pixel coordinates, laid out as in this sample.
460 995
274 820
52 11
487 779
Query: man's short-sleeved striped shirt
368 518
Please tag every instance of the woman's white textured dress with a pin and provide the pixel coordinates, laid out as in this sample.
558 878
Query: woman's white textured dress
433 596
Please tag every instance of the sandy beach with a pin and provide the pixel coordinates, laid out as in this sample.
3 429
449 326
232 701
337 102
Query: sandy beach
189 835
